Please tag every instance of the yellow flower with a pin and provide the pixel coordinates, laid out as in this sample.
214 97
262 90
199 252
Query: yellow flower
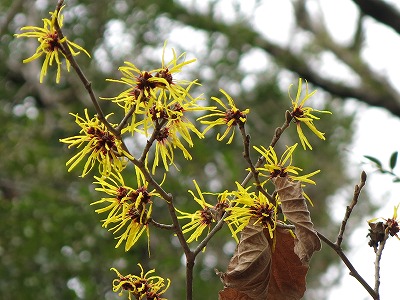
231 117
166 142
129 209
141 88
50 44
282 167
250 206
305 115
135 220
99 144
166 76
140 287
146 87
114 186
201 219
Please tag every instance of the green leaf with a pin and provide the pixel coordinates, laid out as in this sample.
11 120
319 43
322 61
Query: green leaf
375 160
393 160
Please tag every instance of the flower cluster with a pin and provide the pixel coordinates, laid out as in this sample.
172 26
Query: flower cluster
99 144
140 287
159 106
302 114
129 210
250 206
50 44
240 207
231 116
203 218
282 167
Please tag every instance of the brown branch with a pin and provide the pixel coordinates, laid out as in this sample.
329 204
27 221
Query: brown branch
260 161
86 83
140 164
253 170
151 140
349 265
129 114
337 245
190 258
275 139
160 225
378 256
349 208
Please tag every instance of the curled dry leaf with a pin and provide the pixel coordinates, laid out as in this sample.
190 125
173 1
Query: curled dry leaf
232 294
288 273
249 270
294 207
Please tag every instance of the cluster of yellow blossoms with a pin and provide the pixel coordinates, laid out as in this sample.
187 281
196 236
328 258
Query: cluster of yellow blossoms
160 108
140 287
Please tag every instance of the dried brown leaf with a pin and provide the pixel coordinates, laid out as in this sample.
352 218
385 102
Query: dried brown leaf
232 294
288 273
294 207
249 270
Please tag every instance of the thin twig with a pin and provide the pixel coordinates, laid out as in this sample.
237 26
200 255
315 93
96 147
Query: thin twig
337 245
349 209
169 199
86 83
378 256
254 171
260 161
349 265
161 226
151 140
275 139
285 226
125 119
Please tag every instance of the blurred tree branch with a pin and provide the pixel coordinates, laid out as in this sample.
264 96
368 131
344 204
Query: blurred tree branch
381 11
373 89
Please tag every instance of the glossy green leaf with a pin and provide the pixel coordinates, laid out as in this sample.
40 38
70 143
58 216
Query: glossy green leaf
393 160
374 160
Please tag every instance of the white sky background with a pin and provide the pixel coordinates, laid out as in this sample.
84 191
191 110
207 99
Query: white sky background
377 131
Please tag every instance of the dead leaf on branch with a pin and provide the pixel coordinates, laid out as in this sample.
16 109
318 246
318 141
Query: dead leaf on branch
253 268
294 207
232 294
256 272
249 270
288 273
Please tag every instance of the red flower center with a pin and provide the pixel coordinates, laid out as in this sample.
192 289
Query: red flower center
235 115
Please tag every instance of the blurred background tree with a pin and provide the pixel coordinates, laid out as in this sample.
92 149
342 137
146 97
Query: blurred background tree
52 244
